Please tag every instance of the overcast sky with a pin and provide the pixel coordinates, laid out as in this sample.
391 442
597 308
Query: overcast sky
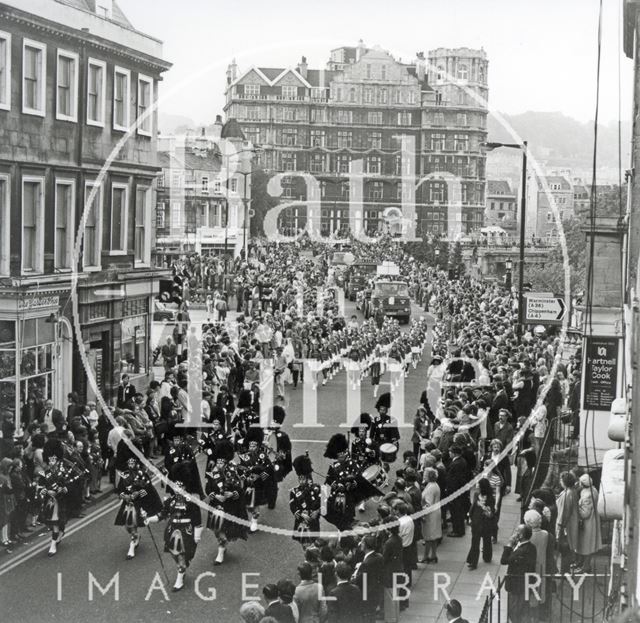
542 53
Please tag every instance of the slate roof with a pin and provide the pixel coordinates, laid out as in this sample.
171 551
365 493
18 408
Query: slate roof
89 5
498 187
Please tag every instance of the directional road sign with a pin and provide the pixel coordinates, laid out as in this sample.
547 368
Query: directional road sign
540 309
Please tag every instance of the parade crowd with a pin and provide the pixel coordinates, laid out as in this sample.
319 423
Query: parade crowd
487 414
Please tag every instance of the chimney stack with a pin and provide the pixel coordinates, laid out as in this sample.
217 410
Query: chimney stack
232 71
361 50
420 66
217 128
302 67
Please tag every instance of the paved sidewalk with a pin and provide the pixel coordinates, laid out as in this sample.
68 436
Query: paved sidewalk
464 585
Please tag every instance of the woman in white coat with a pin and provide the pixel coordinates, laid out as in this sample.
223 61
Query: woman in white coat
432 520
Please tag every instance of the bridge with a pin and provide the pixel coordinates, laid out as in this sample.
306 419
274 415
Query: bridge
491 260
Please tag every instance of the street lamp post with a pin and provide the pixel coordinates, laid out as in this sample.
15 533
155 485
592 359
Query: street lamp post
509 266
523 207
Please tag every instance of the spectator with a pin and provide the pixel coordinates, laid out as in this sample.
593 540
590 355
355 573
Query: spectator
251 612
393 569
346 607
432 520
483 521
520 557
309 597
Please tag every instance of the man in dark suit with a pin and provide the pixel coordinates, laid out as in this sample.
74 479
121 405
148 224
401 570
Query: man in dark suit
458 475
345 600
369 577
393 568
275 608
520 557
453 610
126 392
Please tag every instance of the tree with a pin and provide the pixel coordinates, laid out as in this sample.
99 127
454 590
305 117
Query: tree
457 261
549 277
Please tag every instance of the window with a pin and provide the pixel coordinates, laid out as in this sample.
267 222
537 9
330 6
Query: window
404 118
234 184
288 161
289 92
67 86
32 224
319 115
374 164
5 71
252 90
549 217
374 117
461 119
121 85
344 190
345 138
352 95
205 185
343 162
437 142
145 98
318 93
216 186
34 77
119 218
463 72
436 192
289 137
461 142
288 114
375 190
397 165
96 75
5 225
438 118
345 116
440 73
374 140
317 138
368 96
64 224
383 96
317 163
143 226
254 113
92 240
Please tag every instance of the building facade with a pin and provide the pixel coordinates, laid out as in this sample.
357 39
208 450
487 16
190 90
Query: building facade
75 75
200 207
502 207
543 194
349 124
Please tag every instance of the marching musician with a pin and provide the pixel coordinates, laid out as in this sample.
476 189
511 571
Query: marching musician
258 471
244 418
139 498
304 501
280 446
363 450
341 478
53 489
184 519
385 428
212 435
225 493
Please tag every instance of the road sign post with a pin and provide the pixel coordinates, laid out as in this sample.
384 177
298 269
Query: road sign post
543 309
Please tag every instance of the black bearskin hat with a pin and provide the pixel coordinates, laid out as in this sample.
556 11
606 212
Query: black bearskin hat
255 433
223 450
244 399
338 443
363 420
185 474
278 414
384 401
302 465
52 447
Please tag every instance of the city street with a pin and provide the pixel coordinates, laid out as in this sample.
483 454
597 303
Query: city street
94 545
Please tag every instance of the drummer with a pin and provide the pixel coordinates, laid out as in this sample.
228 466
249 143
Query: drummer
385 428
363 450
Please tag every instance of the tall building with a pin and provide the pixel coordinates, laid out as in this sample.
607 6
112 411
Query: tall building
75 75
363 106
502 207
559 190
200 207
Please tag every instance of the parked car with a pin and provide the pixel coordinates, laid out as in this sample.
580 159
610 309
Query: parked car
164 312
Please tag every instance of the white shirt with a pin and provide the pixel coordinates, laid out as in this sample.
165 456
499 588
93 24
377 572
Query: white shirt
406 528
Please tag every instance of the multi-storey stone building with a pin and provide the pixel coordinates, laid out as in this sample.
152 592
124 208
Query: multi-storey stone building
502 207
559 190
363 107
74 78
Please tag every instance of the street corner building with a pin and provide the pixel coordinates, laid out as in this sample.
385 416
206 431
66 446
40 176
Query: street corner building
75 76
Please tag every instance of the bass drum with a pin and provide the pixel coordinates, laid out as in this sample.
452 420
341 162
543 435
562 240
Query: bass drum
376 475
388 452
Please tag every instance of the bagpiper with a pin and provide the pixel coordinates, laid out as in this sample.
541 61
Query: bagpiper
280 446
184 519
259 474
53 489
225 493
341 480
139 498
385 428
305 501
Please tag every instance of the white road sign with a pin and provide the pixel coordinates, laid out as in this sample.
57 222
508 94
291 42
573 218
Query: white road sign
544 309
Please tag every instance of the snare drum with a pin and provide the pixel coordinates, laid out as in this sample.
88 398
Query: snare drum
376 475
388 452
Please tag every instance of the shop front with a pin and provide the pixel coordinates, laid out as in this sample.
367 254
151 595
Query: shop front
33 348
